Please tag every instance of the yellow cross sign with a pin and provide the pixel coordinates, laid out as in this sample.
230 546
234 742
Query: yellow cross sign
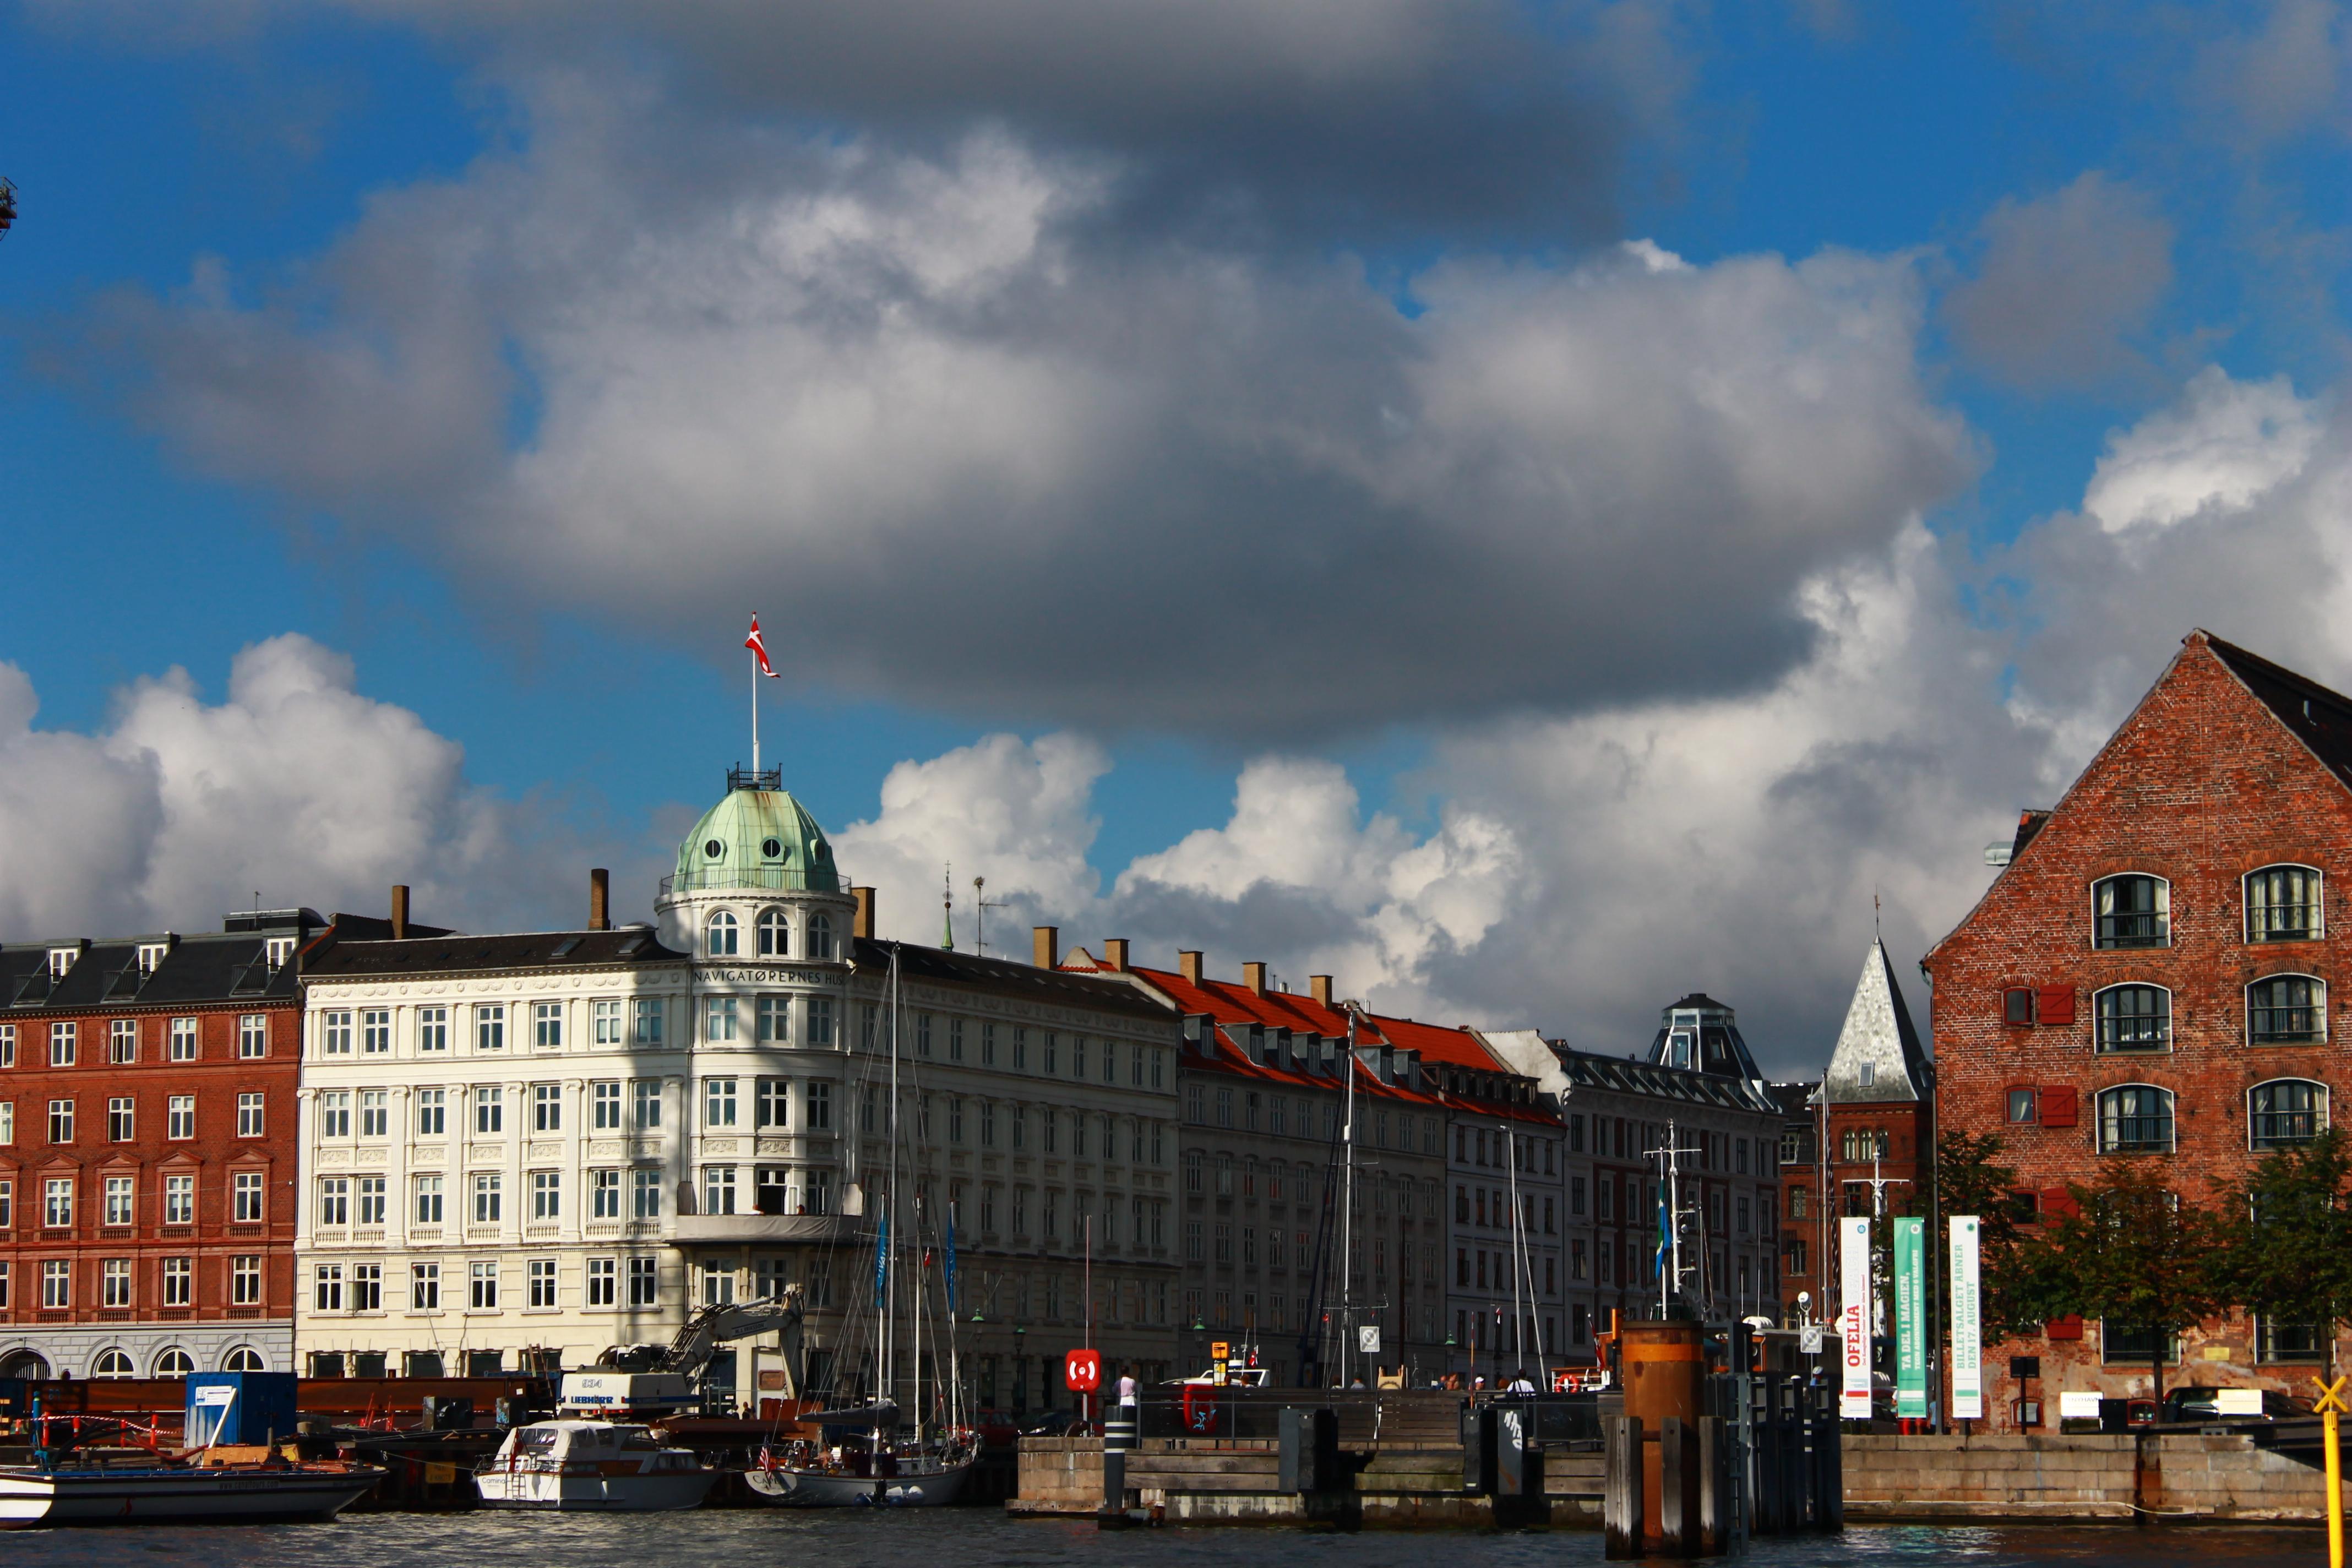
2331 1396
2332 1409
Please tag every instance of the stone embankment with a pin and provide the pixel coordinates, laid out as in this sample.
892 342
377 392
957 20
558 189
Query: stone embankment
2173 1476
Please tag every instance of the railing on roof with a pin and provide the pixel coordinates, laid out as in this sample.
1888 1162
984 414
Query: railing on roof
126 981
780 879
36 988
741 777
253 978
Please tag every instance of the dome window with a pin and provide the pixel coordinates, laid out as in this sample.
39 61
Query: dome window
720 936
771 848
714 849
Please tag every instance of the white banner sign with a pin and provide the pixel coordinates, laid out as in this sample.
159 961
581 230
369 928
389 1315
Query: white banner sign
1968 1321
1854 1315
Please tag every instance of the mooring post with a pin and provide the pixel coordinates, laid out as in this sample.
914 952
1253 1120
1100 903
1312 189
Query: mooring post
1677 1487
1620 1489
1713 1487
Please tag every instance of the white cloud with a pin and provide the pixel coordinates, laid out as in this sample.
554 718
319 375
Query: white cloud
2224 444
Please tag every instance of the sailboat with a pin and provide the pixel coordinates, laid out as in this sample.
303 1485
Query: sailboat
871 1455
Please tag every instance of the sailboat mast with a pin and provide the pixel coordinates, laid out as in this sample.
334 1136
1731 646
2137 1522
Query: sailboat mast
1347 1213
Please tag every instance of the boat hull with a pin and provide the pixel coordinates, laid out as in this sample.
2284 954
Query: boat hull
546 1491
790 1488
222 1495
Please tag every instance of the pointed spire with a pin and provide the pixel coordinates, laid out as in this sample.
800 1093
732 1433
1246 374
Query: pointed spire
1878 1056
947 902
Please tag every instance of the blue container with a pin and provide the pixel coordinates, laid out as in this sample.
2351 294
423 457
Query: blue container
240 1407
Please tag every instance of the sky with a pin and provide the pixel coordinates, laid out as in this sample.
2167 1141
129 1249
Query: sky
1532 509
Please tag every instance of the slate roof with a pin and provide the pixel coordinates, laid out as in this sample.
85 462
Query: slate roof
1686 1084
1878 1031
1060 986
206 966
447 953
2320 719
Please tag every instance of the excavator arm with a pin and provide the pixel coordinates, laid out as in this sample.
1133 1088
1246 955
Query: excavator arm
712 1327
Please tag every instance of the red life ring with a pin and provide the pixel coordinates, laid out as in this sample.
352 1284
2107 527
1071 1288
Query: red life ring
1200 1407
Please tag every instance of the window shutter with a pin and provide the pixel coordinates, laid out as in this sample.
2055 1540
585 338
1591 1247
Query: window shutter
2065 1328
2058 1105
2057 1202
2054 1003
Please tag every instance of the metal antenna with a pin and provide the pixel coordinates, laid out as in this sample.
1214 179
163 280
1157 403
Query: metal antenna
981 905
947 901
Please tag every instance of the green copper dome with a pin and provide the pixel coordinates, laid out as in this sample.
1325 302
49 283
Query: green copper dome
757 839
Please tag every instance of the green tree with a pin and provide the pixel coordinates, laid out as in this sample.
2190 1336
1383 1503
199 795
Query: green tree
2134 1252
2288 1236
1971 1179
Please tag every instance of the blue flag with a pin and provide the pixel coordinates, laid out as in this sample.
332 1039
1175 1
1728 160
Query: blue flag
1665 1238
950 1275
881 1257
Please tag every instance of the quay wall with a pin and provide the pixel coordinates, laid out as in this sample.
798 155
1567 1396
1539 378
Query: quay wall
2011 1476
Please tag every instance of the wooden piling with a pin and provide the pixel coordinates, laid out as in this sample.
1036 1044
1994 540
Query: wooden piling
1620 1500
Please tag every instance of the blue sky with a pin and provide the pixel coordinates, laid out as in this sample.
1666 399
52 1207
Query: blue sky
193 195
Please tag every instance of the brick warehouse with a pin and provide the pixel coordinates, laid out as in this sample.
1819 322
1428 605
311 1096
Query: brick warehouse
2148 978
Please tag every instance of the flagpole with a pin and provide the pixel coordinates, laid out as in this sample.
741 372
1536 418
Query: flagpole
755 715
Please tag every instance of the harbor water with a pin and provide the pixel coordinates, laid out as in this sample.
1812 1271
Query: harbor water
981 1538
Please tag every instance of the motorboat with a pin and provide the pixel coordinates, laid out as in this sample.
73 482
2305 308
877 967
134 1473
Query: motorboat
888 1475
600 1467
72 1481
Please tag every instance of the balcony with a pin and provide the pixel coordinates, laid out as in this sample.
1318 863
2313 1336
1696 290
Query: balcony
778 879
763 1228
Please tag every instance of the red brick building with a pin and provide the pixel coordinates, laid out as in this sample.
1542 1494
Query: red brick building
147 1150
2149 977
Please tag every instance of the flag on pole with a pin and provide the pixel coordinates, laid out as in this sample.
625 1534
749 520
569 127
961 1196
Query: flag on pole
760 648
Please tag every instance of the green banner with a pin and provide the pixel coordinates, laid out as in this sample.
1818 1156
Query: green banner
1911 1317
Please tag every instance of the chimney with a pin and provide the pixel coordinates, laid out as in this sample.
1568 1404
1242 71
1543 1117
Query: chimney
600 898
1253 976
1114 953
400 911
862 923
1045 950
1320 984
1188 965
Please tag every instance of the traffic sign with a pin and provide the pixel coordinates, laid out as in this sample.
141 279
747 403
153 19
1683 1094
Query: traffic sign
1367 1339
1083 1371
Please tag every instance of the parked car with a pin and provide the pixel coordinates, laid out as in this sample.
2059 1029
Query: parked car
2199 1403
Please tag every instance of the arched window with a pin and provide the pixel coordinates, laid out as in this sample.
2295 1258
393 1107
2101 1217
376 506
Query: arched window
2283 904
174 1363
113 1363
720 936
775 936
2132 911
2286 1111
2286 1010
2135 1018
2136 1119
820 936
245 1358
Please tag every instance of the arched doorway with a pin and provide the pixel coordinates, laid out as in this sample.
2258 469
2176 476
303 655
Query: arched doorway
23 1364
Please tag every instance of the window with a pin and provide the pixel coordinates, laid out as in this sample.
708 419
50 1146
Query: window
151 955
720 936
490 1026
119 1190
367 1287
649 1020
181 1042
645 1282
335 1034
2135 1018
179 1285
489 1108
9 1044
2283 904
335 1200
604 1195
2277 1341
719 1103
245 1281
327 1288
719 1189
547 1108
605 1021
57 1283
645 1193
249 1114
646 1092
120 1115
375 1033
719 1020
180 1199
335 1114
429 1200
488 1197
2017 1005
245 1205
122 1041
542 1282
546 1194
2286 1111
372 1200
774 1102
485 1279
2024 1107
775 1020
431 1029
603 1279
376 1113
432 1113
546 1024
718 1282
7 1121
64 1043
2286 1010
817 1103
2136 1119
774 934
61 1120
2132 911
604 1106
2133 1344
820 936
425 1287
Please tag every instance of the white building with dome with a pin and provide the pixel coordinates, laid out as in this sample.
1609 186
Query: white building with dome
519 1149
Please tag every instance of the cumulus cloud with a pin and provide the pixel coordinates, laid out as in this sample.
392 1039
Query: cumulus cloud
2064 283
983 451
296 787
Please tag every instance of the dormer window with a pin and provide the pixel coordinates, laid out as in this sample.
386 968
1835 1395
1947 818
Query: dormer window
2132 910
277 950
150 953
1868 1077
2283 904
61 959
